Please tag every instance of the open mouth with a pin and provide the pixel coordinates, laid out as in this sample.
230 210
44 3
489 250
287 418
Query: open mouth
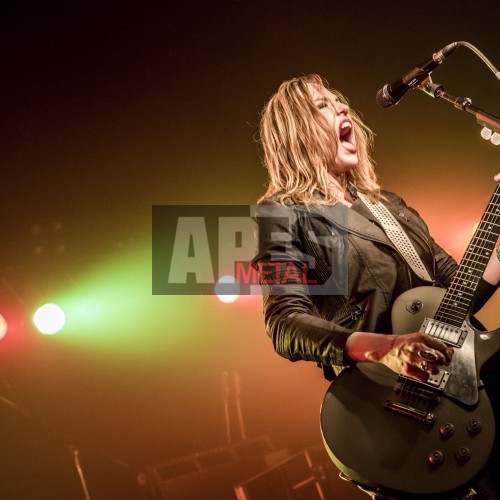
346 135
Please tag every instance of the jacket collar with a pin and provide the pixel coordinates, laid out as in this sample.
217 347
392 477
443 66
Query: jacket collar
356 220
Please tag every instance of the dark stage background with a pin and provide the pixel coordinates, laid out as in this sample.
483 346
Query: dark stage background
110 108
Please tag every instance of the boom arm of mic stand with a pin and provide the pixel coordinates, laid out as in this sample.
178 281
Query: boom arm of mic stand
483 118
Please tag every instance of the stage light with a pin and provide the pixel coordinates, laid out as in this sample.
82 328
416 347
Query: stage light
226 289
49 319
3 327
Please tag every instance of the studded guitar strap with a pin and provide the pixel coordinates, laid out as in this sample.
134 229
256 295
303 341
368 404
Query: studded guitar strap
398 237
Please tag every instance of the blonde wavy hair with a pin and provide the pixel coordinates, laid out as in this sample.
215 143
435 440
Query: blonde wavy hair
299 146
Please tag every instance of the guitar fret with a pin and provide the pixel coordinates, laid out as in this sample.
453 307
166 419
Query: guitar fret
457 295
468 270
455 303
488 222
473 261
476 243
477 249
455 312
485 254
474 252
475 256
457 307
455 315
483 239
461 293
486 230
467 279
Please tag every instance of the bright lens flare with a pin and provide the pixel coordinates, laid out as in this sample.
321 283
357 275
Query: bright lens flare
226 289
49 319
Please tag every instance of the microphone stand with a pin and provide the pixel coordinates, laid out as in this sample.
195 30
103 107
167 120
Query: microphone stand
483 118
237 403
78 466
231 393
225 398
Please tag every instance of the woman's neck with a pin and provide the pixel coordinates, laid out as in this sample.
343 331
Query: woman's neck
345 197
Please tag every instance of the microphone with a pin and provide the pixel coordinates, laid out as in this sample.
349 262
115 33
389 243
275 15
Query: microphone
393 92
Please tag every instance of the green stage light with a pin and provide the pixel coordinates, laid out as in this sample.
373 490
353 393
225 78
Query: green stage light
110 308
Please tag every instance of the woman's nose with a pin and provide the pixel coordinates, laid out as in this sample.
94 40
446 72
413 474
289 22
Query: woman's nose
341 108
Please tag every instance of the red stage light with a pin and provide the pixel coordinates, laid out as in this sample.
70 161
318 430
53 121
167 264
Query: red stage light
3 327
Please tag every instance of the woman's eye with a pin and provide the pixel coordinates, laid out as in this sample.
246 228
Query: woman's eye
322 104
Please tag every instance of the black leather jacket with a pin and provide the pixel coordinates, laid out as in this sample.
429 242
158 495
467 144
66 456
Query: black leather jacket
368 274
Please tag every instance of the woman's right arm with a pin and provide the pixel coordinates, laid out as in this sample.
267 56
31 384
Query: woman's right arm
290 319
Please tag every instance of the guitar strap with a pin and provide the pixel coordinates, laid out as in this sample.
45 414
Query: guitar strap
398 237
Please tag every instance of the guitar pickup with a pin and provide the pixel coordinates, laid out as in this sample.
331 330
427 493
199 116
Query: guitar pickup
409 411
450 335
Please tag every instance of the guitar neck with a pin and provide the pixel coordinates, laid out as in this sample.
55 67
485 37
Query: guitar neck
458 298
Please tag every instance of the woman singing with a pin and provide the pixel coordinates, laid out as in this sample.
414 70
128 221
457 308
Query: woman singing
321 184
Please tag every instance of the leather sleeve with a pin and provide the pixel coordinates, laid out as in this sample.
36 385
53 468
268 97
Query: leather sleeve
291 319
297 334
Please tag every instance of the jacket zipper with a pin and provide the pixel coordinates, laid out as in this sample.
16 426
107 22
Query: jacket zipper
353 316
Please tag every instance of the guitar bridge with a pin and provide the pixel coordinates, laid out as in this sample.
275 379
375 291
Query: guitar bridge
436 382
419 392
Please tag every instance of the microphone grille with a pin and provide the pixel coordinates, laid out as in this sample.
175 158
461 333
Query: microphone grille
384 99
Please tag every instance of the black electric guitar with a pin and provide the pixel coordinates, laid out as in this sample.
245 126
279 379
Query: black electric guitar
415 439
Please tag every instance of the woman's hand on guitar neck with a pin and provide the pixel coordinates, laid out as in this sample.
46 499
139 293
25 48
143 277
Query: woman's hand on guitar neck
413 355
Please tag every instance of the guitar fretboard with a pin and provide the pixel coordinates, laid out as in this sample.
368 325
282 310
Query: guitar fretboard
458 298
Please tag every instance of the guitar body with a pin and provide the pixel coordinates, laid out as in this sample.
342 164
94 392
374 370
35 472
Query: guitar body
408 453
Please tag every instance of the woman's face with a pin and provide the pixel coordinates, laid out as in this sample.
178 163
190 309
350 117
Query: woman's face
337 115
